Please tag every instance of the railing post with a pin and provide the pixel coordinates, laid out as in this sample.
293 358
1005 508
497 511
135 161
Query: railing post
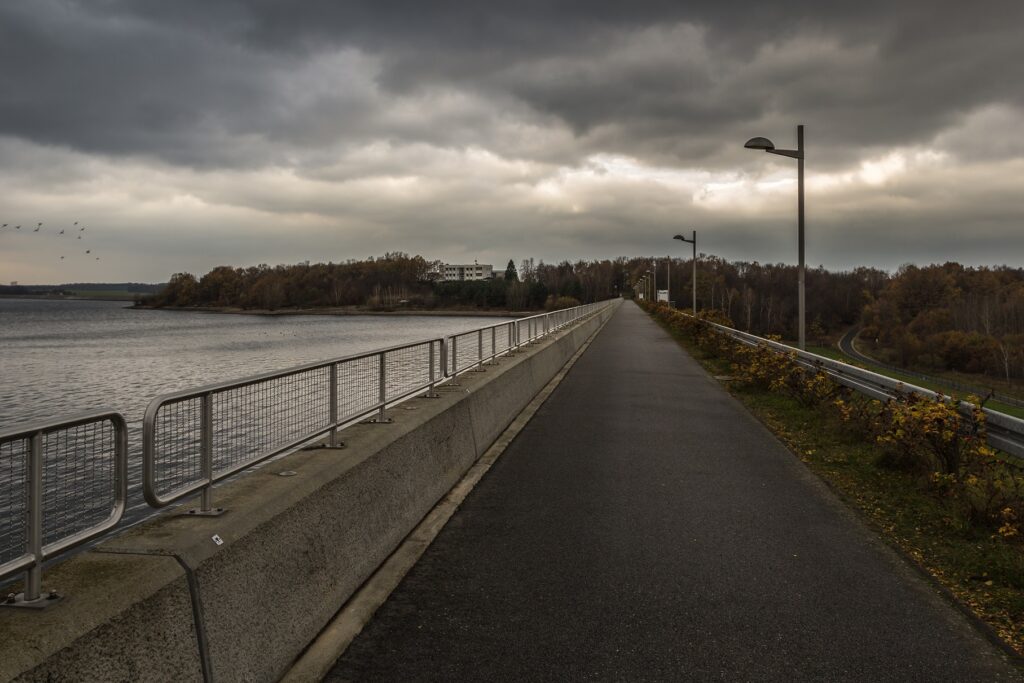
383 385
432 359
455 356
34 576
206 451
206 508
480 350
332 440
494 344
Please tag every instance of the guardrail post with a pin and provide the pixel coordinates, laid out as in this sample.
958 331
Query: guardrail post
455 356
206 508
480 351
383 367
332 439
31 595
433 376
34 576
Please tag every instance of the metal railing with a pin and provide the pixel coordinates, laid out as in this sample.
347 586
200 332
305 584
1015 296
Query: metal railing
67 484
1004 432
194 438
474 349
197 437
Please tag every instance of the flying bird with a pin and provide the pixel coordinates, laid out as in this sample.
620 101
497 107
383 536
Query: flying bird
88 251
76 222
79 237
81 229
17 227
36 230
61 258
61 232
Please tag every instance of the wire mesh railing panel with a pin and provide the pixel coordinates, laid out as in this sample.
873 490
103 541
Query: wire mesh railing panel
407 370
177 445
79 486
358 387
465 351
501 338
254 420
13 498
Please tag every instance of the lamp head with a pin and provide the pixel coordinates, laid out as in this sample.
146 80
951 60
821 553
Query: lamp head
760 143
679 237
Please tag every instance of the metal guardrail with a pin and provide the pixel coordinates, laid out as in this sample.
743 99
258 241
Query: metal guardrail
67 480
1005 432
476 348
68 484
195 438
943 381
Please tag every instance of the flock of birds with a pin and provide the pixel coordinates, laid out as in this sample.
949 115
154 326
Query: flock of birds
76 230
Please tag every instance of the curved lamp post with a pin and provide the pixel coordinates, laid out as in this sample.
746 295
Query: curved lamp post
798 154
650 285
694 286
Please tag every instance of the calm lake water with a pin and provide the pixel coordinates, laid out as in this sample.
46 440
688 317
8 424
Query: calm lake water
61 358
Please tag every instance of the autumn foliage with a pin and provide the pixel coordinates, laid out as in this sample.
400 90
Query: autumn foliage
940 441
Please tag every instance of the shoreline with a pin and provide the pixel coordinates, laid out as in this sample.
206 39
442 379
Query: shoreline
51 297
344 311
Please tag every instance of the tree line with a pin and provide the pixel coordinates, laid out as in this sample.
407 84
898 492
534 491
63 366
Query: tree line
951 317
941 316
393 280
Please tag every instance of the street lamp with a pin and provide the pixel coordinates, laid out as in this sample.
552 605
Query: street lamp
651 285
798 154
694 243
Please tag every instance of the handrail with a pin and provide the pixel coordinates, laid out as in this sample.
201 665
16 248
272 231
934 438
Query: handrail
34 445
331 419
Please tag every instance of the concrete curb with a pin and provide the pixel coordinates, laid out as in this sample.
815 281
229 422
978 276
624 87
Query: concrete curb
332 642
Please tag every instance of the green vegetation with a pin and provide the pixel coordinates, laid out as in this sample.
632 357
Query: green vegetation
917 470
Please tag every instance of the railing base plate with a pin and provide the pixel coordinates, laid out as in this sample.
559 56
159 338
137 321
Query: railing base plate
42 602
194 512
377 421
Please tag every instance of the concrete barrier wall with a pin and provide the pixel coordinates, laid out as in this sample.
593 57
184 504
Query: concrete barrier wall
165 602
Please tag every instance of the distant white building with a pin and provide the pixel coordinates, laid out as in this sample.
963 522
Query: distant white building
451 272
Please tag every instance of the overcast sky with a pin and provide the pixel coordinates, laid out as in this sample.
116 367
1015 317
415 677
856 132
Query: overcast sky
194 133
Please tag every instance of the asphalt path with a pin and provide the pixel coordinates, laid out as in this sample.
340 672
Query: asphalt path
644 526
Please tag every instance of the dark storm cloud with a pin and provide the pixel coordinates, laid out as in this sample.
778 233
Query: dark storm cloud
239 83
201 132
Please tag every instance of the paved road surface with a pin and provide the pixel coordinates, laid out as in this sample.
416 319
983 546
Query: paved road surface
643 526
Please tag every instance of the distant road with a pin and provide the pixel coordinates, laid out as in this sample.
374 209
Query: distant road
847 347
